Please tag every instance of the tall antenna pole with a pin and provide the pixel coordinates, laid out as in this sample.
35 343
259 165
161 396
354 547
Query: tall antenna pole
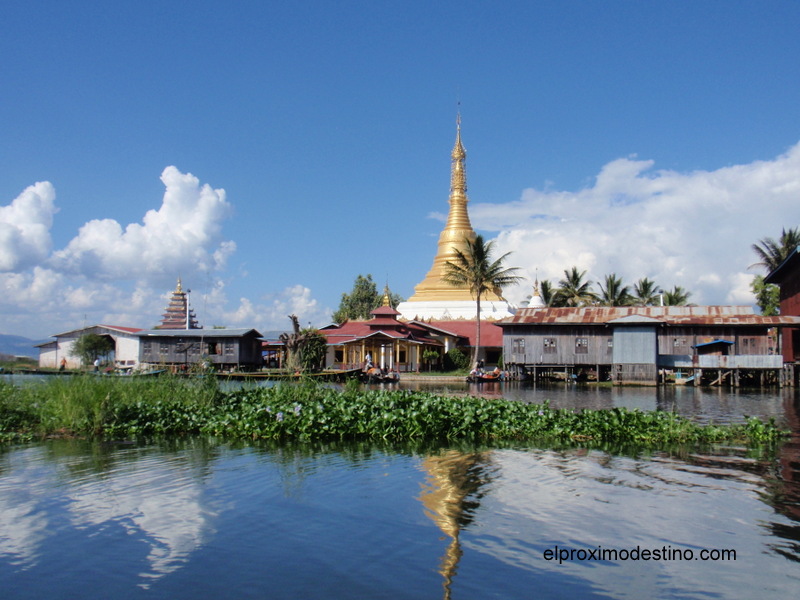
188 291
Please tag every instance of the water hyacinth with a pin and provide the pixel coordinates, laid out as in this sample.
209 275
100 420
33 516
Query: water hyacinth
127 409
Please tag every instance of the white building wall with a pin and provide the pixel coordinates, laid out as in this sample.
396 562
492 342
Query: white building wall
126 349
456 309
127 353
50 356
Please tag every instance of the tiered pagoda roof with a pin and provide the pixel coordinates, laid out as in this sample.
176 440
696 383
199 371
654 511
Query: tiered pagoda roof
178 312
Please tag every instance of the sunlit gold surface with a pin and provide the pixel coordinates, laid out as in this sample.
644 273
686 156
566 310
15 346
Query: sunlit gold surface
454 482
457 229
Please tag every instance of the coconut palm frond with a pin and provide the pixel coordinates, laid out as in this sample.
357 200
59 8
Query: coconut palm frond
474 269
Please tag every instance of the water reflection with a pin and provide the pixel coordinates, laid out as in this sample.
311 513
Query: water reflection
154 499
704 404
196 518
588 499
783 490
450 496
23 521
158 502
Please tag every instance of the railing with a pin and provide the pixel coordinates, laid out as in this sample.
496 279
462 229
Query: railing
669 361
715 361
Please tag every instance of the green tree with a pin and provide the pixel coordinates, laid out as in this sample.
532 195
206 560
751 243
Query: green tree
613 293
772 253
455 359
646 292
677 296
430 356
313 350
768 296
474 268
573 290
362 300
91 346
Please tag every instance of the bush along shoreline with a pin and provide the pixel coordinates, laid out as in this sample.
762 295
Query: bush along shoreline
118 409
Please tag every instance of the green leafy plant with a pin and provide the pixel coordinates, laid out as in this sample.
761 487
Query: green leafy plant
123 408
430 356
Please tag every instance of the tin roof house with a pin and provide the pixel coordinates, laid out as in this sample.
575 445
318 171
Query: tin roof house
221 349
641 345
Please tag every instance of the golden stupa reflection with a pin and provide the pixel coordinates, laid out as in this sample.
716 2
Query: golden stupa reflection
450 496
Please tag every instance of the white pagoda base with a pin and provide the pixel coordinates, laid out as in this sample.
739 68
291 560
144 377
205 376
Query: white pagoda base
454 310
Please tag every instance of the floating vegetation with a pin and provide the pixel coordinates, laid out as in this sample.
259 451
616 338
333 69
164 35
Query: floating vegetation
118 408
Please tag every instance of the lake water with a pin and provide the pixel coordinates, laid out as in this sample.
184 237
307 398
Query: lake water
201 518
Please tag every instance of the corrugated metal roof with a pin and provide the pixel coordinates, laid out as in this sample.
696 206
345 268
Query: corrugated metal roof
197 333
491 335
118 328
672 315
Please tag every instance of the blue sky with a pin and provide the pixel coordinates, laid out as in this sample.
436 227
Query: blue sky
268 153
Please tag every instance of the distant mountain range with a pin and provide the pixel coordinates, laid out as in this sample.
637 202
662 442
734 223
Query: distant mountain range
16 345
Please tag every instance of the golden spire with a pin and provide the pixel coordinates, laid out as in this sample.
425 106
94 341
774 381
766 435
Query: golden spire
458 171
386 298
179 289
457 229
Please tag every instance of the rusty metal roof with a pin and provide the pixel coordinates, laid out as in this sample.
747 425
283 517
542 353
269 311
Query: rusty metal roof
671 315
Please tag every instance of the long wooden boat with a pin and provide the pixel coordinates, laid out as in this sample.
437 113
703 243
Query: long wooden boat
484 378
129 373
376 375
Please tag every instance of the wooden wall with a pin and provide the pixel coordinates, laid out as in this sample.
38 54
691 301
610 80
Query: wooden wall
563 344
558 345
219 350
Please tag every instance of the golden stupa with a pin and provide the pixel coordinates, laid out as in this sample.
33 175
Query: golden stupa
433 298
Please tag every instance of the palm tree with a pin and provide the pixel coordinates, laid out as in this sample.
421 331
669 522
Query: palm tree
613 293
547 292
677 296
573 290
646 292
475 269
772 253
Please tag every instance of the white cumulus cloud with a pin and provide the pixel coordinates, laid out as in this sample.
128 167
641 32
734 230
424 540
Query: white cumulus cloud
272 311
183 236
25 228
690 229
107 273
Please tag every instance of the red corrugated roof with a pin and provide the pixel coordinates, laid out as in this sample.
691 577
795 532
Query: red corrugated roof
672 315
384 310
128 329
392 328
491 334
